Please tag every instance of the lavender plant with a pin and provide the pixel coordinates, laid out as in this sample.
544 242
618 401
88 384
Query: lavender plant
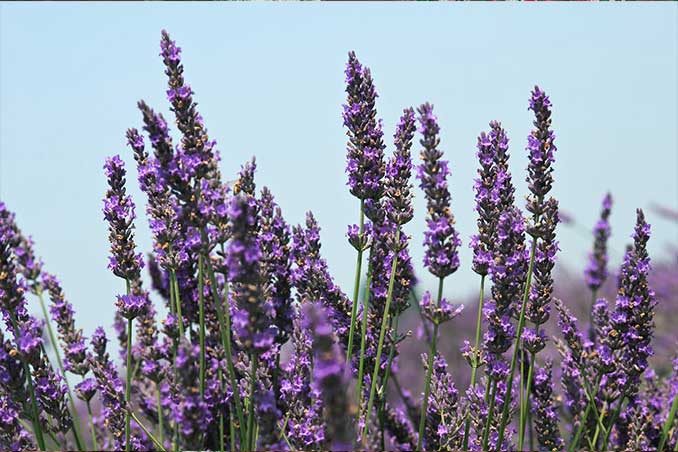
255 347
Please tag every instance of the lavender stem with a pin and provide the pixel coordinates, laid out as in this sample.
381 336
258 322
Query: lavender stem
95 446
474 370
149 434
380 344
429 370
363 333
669 423
201 315
521 323
356 291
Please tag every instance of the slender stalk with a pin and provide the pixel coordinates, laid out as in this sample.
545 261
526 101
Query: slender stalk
429 372
380 345
580 429
474 368
526 402
60 363
252 414
521 323
37 429
384 384
231 430
149 434
669 423
594 441
128 386
615 415
363 334
177 299
201 315
488 424
224 318
95 446
356 289
160 423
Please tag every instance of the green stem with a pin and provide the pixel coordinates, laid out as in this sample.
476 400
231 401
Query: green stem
231 430
143 427
201 315
177 300
384 385
252 414
160 416
52 338
380 345
224 318
474 368
429 371
488 425
525 409
582 424
669 423
615 415
95 446
521 323
363 334
128 387
356 289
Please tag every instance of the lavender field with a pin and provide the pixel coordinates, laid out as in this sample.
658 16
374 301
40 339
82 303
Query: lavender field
232 331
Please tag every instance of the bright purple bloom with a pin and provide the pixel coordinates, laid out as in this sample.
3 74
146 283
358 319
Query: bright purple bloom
365 155
442 418
439 314
399 171
544 410
440 239
131 306
119 213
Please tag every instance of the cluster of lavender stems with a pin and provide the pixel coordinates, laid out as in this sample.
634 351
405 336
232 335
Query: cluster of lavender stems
238 285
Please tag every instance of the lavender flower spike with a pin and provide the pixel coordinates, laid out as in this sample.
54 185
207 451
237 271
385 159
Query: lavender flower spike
544 410
119 212
440 239
328 377
596 272
365 156
399 170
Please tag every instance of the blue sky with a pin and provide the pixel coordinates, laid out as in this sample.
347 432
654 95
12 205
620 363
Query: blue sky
269 81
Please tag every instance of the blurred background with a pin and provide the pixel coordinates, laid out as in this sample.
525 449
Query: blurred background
269 79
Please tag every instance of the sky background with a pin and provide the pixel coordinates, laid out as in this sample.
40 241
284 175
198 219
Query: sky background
269 80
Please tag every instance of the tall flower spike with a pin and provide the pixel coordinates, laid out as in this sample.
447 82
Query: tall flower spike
440 239
486 206
596 272
399 170
541 290
198 157
275 243
442 420
244 271
541 148
365 155
75 359
508 277
119 212
328 377
544 410
632 321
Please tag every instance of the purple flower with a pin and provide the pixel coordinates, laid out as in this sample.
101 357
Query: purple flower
276 263
541 290
632 322
544 410
508 277
71 338
86 389
399 170
132 306
493 181
541 149
328 377
439 314
365 154
442 419
13 436
596 271
440 239
119 213
252 321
